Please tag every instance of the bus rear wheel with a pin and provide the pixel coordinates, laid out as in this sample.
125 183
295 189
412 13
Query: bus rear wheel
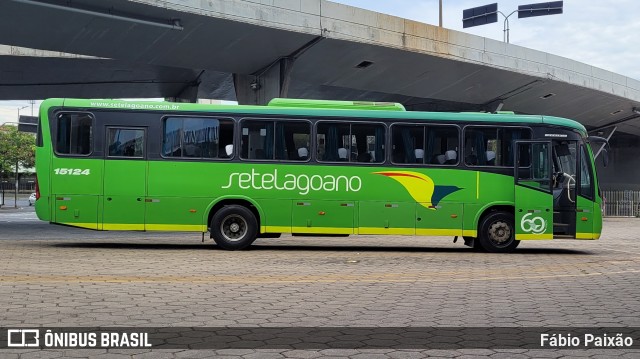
497 233
234 227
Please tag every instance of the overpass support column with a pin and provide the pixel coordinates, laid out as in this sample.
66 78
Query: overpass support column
270 83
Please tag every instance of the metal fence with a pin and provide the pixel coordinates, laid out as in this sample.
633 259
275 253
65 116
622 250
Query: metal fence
26 184
621 203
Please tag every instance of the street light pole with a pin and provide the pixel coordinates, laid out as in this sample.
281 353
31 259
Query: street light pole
505 28
15 195
440 13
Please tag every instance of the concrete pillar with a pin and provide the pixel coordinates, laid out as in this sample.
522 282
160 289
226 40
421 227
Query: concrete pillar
268 84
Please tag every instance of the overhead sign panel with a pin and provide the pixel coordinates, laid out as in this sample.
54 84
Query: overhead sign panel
480 15
540 9
28 124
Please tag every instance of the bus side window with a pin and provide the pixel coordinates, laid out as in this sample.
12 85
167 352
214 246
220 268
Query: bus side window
406 140
333 141
487 146
74 134
367 144
257 140
196 137
123 142
480 146
292 140
437 145
441 145
225 139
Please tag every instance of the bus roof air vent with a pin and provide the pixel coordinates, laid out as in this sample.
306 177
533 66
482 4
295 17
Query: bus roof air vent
344 105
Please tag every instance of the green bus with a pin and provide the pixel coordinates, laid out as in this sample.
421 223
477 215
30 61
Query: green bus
312 167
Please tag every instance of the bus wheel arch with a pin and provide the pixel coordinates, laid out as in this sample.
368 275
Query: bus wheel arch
234 201
234 223
496 230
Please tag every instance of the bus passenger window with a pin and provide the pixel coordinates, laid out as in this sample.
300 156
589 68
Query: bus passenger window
357 142
441 145
488 146
74 134
437 145
125 142
333 142
196 137
367 143
292 140
284 140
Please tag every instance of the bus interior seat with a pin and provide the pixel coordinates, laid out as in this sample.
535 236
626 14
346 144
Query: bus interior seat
419 154
303 153
342 153
228 149
491 158
450 157
438 160
373 155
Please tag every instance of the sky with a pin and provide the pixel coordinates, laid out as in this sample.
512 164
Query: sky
598 33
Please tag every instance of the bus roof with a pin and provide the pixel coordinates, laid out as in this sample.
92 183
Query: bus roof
322 108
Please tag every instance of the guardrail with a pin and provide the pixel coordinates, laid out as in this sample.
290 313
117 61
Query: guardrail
621 203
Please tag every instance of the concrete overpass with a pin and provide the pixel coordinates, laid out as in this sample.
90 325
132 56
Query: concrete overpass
256 50
299 48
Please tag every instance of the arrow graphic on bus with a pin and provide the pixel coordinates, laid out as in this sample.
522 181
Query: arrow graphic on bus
421 187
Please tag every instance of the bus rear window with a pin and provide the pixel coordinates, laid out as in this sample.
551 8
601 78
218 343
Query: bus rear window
74 134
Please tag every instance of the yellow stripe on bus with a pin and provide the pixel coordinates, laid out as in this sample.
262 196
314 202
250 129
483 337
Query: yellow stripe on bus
587 235
82 225
469 233
322 230
534 236
141 227
382 230
370 230
287 229
123 227
176 227
439 232
275 229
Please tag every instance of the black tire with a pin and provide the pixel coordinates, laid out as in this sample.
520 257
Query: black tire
234 227
497 233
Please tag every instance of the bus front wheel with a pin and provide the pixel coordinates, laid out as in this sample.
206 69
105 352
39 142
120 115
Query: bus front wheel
234 227
497 233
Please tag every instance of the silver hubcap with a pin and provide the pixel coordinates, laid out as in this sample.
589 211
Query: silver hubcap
233 227
500 234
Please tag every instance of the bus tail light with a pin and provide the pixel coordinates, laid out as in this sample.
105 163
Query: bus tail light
37 189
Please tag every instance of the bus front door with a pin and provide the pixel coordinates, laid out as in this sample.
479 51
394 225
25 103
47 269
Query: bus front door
533 193
125 180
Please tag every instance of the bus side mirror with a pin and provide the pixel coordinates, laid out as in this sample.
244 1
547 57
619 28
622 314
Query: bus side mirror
605 157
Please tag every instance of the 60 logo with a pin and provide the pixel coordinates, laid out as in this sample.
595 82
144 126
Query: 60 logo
535 225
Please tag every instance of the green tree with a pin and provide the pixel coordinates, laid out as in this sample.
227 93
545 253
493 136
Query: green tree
15 147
